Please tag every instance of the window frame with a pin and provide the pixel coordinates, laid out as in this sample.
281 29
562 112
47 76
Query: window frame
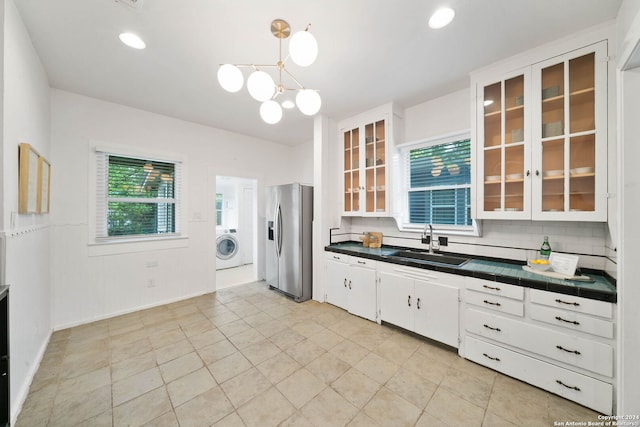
405 183
104 245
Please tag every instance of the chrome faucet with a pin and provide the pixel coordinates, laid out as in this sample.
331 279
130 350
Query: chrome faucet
424 235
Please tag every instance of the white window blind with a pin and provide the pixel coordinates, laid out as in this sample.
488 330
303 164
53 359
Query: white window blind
136 197
439 183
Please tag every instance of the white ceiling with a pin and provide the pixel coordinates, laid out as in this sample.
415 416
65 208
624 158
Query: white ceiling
371 51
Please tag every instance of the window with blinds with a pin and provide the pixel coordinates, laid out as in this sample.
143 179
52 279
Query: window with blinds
136 197
439 183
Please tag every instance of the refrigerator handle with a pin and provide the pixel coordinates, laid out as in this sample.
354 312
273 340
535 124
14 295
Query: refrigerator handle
279 234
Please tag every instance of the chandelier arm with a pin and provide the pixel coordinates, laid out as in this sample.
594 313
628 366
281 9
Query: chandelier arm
254 65
294 79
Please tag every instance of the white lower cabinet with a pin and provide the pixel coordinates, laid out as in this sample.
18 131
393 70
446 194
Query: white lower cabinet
571 385
421 301
352 284
557 342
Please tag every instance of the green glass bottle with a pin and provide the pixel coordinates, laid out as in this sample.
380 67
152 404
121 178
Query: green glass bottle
545 249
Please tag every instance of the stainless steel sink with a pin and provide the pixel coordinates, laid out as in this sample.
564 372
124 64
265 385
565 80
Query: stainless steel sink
425 256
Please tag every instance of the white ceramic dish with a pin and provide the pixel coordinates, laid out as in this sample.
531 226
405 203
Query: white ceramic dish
515 176
575 171
557 172
493 178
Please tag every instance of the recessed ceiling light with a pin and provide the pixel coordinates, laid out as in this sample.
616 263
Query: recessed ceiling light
132 40
441 18
288 104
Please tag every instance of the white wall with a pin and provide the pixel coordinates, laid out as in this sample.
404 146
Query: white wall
303 165
25 119
441 116
628 30
88 287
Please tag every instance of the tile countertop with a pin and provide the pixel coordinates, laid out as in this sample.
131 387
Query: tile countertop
504 271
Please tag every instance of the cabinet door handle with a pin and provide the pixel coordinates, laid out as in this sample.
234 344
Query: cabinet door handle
409 300
418 304
492 358
336 257
490 287
497 304
528 173
559 347
537 172
493 329
345 282
349 284
362 262
559 301
573 322
572 387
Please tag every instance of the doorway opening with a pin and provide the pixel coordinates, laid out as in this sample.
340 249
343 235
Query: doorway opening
236 230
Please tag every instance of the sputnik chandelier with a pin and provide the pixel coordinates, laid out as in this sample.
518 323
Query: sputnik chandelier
303 50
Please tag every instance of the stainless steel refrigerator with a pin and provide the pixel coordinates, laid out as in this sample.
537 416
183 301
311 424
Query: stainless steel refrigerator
288 250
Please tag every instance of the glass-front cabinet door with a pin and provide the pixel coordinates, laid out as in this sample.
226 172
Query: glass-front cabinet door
503 148
365 169
351 170
375 166
570 136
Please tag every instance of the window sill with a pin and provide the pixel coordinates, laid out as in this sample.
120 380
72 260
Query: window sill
123 246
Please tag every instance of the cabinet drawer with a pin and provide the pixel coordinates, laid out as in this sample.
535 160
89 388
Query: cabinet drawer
333 256
579 388
568 302
495 288
579 352
363 262
496 303
572 320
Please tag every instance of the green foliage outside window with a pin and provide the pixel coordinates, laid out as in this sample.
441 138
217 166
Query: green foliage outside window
140 197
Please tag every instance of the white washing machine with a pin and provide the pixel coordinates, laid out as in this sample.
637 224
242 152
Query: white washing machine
227 249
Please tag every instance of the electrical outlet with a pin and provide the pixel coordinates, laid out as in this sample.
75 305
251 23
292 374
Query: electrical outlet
444 241
151 264
151 283
426 239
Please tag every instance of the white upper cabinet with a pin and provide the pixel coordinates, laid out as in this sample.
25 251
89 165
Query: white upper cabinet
367 142
570 136
541 140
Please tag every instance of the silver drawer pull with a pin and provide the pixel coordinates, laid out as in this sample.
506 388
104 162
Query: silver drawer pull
362 262
490 287
497 304
409 300
559 347
493 329
568 386
492 358
345 282
573 322
559 301
336 257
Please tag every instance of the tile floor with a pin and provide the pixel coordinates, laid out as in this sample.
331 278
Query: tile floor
228 277
247 356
